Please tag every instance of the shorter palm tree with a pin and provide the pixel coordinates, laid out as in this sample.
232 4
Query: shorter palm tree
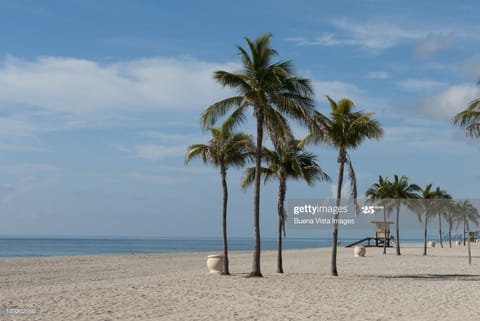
431 207
403 193
224 150
381 193
467 214
450 213
345 130
469 119
443 207
288 160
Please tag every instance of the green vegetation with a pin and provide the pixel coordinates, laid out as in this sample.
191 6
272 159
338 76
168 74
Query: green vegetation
287 161
272 92
224 150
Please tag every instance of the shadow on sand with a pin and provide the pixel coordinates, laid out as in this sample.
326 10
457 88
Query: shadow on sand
436 277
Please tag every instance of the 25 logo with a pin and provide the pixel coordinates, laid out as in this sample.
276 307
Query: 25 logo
369 210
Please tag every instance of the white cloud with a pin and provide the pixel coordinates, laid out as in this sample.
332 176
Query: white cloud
379 75
79 86
372 36
336 90
421 84
152 152
449 102
380 35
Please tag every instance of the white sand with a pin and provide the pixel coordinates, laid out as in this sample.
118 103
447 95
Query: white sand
441 286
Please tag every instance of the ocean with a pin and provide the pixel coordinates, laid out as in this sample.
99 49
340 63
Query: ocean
42 246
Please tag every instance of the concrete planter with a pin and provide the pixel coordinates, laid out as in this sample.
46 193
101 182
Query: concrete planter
359 251
215 263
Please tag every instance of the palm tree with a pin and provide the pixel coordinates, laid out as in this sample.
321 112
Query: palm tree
344 129
402 192
469 119
430 207
274 93
467 214
287 161
451 214
379 193
442 209
224 150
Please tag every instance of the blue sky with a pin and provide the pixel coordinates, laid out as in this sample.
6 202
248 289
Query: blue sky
100 99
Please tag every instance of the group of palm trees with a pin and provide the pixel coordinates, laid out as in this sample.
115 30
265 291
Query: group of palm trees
426 202
276 95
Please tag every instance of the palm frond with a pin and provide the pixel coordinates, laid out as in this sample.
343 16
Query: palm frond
220 109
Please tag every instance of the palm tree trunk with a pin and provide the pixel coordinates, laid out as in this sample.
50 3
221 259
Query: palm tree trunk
397 230
464 232
282 190
256 270
425 234
341 161
384 230
450 230
440 228
226 270
468 244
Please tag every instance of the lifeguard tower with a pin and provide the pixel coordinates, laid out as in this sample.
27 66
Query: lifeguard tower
382 232
382 235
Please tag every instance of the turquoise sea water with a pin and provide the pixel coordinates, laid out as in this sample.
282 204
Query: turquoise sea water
24 247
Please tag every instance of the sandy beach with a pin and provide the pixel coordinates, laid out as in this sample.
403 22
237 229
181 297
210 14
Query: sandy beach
441 286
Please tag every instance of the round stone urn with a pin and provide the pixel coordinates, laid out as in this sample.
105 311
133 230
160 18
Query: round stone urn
215 263
359 251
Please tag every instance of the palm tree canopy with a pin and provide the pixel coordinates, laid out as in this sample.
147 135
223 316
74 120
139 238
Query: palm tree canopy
402 189
225 148
381 193
434 201
379 190
466 213
288 161
469 119
270 88
345 128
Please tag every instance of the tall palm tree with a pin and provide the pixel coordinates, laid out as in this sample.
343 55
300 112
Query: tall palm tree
381 193
469 119
274 93
344 129
402 192
287 161
224 150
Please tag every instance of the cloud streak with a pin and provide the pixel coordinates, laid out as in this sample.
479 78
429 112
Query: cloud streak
80 86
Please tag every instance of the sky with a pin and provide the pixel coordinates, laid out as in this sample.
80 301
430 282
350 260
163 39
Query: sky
100 99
